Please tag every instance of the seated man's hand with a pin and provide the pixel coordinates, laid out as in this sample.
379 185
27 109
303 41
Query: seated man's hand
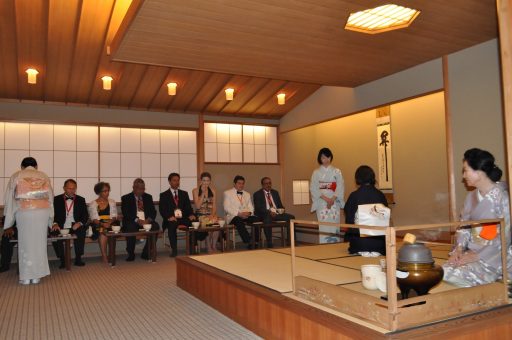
55 227
192 217
244 214
141 222
273 214
76 225
172 219
9 232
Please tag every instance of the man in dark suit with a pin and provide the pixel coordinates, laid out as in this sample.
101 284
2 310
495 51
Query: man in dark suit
70 212
7 247
266 205
175 209
138 209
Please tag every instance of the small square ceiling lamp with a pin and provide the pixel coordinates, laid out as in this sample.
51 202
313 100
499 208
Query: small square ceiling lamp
381 19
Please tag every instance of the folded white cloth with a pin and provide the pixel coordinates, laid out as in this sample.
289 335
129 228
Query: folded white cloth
369 254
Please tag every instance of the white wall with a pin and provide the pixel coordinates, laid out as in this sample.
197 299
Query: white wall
331 102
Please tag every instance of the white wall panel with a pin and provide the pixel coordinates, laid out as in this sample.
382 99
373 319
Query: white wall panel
115 188
222 152
260 155
87 164
130 165
110 139
44 161
222 133
13 160
235 153
188 165
210 152
150 140
259 134
17 136
188 184
110 164
2 166
41 137
271 151
248 131
2 135
130 140
169 141
235 133
64 164
271 135
249 153
187 142
64 137
210 132
126 185
85 188
87 138
169 163
153 187
150 163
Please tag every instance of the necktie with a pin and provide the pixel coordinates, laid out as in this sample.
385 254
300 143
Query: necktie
269 199
241 193
140 204
176 200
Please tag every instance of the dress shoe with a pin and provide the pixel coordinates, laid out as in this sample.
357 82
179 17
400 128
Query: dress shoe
4 269
144 256
130 258
79 263
62 265
35 281
174 253
270 245
24 282
249 246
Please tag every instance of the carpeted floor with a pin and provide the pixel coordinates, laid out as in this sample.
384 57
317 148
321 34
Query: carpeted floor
137 300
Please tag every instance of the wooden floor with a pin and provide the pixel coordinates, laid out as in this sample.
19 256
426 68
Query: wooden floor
136 300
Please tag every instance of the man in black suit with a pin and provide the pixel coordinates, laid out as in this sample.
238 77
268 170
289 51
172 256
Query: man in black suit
266 202
175 209
7 247
70 212
138 209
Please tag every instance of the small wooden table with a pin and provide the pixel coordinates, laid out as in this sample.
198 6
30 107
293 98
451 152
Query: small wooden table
261 225
151 237
190 234
67 247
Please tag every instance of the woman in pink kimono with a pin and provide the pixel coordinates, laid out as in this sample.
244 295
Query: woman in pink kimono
327 188
476 256
29 203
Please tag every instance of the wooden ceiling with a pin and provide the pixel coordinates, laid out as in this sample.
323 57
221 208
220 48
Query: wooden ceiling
66 41
259 48
297 40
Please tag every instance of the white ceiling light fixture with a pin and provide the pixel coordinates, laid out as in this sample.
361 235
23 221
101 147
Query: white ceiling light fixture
171 89
32 75
281 99
107 82
381 19
229 93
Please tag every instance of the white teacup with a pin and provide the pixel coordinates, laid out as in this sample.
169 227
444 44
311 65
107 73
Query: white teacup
370 273
280 211
64 232
116 228
147 227
196 225
221 223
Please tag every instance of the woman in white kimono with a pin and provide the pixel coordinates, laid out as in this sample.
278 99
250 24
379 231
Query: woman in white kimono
476 256
327 189
29 203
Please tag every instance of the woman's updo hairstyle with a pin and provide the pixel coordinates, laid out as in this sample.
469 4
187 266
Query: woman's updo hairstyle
483 160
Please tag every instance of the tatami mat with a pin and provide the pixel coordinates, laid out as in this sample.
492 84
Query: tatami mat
273 270
319 251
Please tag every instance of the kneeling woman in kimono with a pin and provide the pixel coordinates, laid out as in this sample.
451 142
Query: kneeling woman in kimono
476 257
29 203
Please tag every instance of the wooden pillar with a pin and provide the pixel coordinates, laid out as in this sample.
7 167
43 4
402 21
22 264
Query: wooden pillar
452 201
504 10
200 146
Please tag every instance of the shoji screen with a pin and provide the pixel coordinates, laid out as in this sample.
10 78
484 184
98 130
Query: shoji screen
152 154
91 153
62 152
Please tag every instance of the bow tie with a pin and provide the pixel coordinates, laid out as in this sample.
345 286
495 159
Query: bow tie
70 198
240 193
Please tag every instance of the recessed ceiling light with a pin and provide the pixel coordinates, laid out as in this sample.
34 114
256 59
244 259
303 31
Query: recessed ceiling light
381 19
